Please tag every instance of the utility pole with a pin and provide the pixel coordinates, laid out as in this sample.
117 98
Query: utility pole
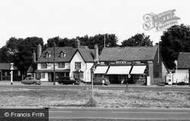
54 63
92 83
104 40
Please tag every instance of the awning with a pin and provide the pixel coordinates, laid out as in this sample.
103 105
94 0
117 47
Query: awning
119 70
138 69
101 70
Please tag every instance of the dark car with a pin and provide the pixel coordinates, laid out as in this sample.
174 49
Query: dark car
67 80
31 80
101 81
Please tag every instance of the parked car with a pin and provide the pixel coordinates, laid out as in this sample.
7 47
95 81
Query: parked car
31 80
101 81
67 80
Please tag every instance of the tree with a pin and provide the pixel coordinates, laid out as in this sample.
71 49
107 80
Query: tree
137 40
24 57
109 39
7 52
176 39
60 42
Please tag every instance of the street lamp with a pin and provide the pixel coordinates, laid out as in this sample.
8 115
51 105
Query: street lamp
12 68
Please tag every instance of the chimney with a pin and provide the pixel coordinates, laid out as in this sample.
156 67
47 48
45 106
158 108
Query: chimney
78 43
39 51
96 58
34 56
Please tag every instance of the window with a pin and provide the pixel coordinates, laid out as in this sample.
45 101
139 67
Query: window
77 65
62 54
47 55
61 65
44 65
43 75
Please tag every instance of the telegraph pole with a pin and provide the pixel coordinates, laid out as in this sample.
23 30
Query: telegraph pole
104 40
54 63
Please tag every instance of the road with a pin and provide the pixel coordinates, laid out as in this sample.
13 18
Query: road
119 114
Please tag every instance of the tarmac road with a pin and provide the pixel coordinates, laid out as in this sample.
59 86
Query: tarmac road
95 114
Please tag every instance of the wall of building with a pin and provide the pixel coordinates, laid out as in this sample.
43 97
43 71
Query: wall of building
44 79
88 72
181 75
50 66
158 75
77 58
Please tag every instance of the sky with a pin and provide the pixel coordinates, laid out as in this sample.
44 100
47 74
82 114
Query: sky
71 18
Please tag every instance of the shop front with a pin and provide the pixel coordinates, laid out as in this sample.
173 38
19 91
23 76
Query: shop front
120 74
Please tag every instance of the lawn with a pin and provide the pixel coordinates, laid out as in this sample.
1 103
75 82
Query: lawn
132 98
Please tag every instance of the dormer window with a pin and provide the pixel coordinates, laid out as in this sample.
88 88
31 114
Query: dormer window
47 55
62 54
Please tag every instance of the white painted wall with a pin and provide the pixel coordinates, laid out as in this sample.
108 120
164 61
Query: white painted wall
50 66
85 67
46 78
77 58
88 72
181 76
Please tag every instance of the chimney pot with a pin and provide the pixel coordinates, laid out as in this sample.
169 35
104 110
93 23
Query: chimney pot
78 43
39 51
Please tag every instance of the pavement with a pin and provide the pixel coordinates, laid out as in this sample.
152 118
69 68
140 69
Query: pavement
137 114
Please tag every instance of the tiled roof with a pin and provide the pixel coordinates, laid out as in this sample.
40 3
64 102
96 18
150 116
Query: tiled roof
69 51
183 60
128 53
5 66
86 54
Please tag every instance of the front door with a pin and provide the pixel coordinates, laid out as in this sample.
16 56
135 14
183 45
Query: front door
50 77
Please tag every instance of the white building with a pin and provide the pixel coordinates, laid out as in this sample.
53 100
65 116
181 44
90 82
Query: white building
75 63
181 74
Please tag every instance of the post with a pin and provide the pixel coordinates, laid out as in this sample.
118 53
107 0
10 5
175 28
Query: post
54 63
11 68
127 77
104 40
92 83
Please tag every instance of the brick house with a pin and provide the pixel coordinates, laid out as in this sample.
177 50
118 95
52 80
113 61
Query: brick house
131 63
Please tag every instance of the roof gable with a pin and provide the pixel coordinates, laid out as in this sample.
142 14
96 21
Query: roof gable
128 53
183 60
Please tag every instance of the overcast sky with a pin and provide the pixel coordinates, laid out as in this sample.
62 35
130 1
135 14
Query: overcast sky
71 18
